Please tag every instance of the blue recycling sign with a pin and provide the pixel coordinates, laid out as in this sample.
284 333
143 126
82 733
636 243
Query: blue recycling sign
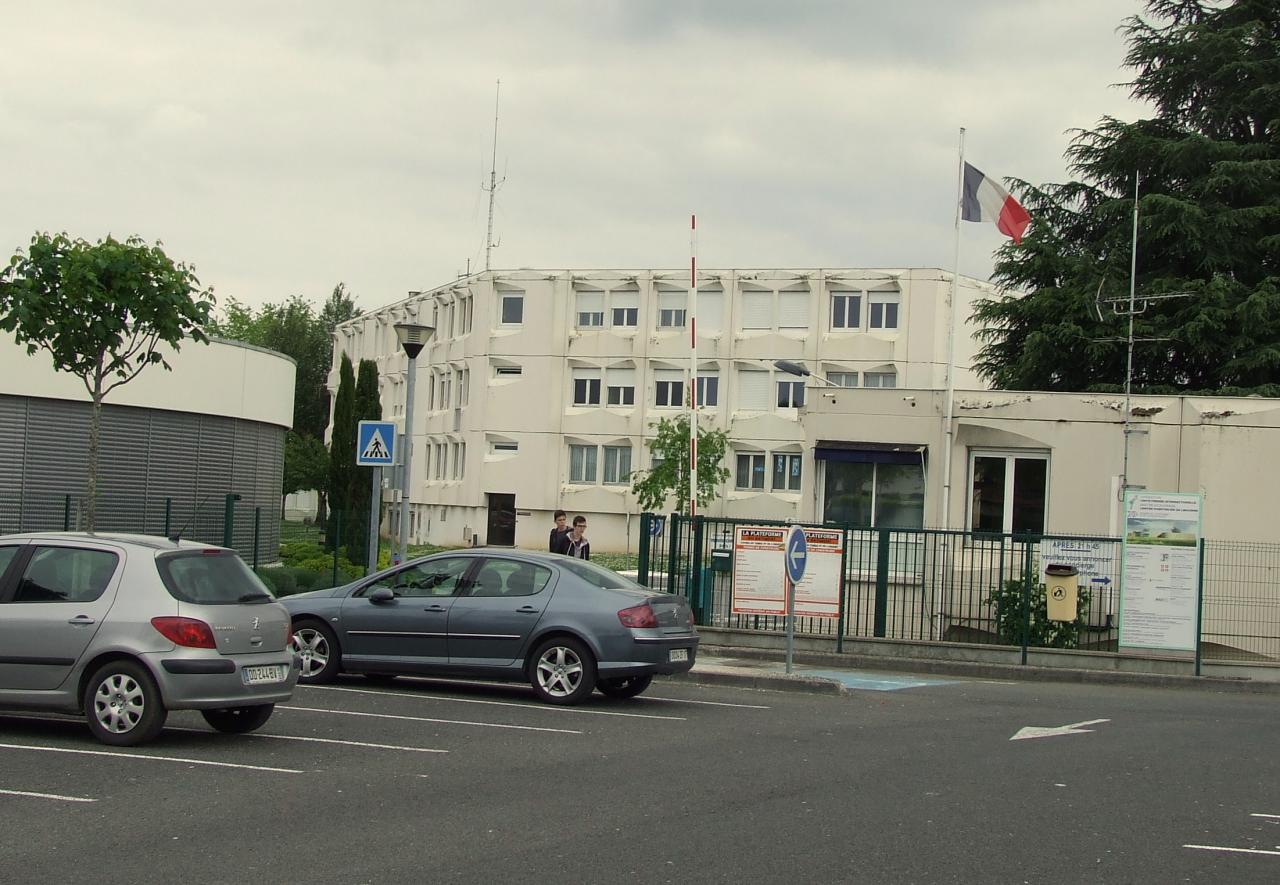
376 444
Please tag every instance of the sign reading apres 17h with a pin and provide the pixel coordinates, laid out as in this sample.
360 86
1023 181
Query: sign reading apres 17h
759 573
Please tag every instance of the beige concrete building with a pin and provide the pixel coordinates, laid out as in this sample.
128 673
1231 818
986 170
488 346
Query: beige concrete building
540 388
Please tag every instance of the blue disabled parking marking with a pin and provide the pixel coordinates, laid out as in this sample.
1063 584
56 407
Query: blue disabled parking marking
879 682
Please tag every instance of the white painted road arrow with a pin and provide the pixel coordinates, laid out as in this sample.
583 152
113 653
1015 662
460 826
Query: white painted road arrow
1032 731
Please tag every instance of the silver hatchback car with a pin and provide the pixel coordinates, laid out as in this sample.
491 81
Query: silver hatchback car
124 628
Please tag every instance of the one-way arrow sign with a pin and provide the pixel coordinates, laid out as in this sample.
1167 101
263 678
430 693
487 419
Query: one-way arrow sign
1033 731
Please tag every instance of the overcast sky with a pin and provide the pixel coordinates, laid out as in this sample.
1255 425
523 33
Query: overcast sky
281 147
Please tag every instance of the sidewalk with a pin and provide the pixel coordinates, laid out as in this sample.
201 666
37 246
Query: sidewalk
839 675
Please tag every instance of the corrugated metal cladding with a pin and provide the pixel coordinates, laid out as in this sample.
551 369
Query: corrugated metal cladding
146 458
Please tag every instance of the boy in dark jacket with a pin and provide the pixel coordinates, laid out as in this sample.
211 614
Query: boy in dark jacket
558 533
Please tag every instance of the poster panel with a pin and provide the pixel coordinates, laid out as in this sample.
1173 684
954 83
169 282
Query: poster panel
818 593
1160 574
758 579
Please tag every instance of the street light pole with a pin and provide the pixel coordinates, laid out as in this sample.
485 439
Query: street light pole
412 339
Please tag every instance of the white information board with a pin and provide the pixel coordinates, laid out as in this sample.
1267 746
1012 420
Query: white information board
759 579
1160 576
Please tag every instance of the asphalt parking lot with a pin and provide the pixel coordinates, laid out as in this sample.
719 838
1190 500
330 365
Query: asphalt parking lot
433 781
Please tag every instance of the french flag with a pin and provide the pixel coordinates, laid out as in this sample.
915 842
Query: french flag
985 200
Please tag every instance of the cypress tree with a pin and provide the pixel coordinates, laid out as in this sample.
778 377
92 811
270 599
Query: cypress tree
368 407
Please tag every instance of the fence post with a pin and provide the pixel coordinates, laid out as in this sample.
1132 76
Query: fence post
1027 578
66 514
841 611
229 518
336 516
1199 607
642 565
882 582
673 550
257 534
168 515
695 568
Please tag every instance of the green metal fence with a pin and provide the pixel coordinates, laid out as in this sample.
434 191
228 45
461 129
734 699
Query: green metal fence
953 586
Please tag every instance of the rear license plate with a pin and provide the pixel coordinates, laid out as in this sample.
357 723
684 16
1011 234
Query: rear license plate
679 654
264 675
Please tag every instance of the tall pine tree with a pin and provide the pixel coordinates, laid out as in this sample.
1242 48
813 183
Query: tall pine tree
1209 209
342 455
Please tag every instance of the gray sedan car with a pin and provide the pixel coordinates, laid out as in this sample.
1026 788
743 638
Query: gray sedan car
565 625
124 628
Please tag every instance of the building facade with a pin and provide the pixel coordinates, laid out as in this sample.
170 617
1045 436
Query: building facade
539 389
214 425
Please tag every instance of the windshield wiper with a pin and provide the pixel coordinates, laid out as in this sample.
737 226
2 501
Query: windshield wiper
254 597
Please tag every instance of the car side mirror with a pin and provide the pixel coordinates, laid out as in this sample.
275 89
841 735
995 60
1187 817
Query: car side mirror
382 594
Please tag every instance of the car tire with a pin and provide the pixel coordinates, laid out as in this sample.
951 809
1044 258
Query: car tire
624 686
123 705
317 650
562 671
238 720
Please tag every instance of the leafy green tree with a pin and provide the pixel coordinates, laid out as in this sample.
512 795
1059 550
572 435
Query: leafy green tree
368 407
102 310
342 451
669 475
1209 223
306 464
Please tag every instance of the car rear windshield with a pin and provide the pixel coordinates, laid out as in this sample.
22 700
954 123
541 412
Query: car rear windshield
214 577
597 576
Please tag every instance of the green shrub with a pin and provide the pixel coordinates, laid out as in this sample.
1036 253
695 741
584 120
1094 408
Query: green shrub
1011 620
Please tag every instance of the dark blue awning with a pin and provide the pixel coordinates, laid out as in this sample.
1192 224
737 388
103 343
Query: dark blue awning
869 453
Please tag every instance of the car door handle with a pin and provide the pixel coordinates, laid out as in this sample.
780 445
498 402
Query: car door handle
528 609
81 621
434 608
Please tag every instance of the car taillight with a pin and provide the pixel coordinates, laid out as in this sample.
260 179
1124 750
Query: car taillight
185 631
638 616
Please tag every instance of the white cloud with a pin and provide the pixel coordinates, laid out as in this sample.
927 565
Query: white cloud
282 147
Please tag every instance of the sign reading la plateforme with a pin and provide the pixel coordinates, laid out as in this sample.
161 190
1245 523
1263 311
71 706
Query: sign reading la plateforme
759 572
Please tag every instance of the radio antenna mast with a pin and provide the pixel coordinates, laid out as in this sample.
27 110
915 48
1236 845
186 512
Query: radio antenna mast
493 178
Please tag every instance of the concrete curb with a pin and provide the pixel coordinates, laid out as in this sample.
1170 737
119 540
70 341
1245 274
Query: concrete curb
982 670
764 681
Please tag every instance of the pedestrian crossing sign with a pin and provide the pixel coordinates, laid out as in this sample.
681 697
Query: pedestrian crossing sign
376 444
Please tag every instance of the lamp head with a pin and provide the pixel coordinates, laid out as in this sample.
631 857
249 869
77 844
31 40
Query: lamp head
413 337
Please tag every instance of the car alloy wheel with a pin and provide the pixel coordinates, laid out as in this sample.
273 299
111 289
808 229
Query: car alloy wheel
122 704
563 671
317 652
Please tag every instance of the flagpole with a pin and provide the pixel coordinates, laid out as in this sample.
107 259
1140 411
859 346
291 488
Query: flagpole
948 419
693 365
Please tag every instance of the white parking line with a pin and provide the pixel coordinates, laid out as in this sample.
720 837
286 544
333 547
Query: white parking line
425 719
542 707
46 796
705 703
1233 850
293 737
149 758
1269 816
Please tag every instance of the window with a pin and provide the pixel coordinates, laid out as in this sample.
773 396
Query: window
879 379
672 307
434 577
669 389
590 310
506 447
871 493
66 574
431 392
617 464
793 310
582 463
786 473
709 390
7 555
846 310
883 310
586 387
790 394
753 390
621 388
626 309
513 308
458 450
203 579
750 473
445 387
843 379
499 577
757 310
1009 492
507 370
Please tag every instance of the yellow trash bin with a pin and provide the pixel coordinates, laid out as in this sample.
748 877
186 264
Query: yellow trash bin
1061 592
